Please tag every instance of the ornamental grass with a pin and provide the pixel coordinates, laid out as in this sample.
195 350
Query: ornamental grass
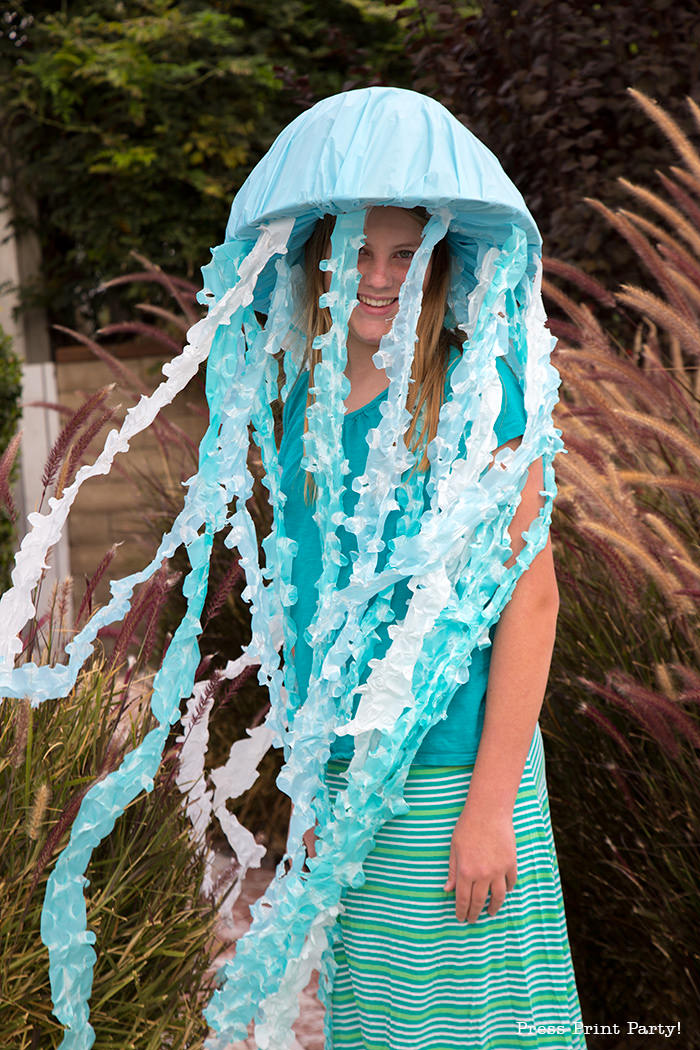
622 714
154 931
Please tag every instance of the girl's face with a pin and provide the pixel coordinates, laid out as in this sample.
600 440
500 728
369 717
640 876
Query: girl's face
392 236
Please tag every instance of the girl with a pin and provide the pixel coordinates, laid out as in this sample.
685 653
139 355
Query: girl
411 572
419 960
407 578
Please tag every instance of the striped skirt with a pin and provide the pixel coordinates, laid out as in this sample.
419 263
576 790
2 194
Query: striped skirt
410 976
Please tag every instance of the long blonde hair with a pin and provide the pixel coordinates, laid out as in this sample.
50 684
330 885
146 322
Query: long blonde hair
426 392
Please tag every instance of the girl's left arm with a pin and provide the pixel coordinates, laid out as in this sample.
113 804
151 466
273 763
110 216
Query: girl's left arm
483 855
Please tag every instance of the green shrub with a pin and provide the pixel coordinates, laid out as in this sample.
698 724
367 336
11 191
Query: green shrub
135 122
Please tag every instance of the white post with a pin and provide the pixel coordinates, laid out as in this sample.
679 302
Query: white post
20 262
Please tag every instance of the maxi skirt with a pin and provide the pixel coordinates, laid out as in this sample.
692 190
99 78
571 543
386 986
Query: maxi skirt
410 976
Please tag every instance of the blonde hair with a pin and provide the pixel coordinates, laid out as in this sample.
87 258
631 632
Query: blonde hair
426 392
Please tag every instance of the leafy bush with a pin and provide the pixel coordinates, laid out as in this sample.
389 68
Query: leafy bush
135 122
10 393
543 83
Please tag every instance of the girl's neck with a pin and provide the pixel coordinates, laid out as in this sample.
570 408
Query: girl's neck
366 380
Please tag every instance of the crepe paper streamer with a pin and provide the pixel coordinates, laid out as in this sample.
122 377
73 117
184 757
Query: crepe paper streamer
16 606
204 803
190 773
237 775
303 773
346 154
323 457
262 980
377 488
64 923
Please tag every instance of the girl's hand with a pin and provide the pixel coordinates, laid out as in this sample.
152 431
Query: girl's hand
482 860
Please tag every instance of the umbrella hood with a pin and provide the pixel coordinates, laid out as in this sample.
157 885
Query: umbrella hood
381 146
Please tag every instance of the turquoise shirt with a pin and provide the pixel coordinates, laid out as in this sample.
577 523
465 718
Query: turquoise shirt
455 739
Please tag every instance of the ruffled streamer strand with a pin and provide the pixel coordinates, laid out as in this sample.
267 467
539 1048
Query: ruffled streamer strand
460 585
64 921
16 607
452 554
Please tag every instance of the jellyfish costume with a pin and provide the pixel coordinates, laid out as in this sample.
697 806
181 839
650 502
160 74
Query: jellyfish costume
447 550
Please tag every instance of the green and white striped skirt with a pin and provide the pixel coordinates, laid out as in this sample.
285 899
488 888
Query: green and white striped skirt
410 976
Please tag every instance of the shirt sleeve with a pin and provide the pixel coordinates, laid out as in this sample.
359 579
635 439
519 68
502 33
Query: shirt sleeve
512 417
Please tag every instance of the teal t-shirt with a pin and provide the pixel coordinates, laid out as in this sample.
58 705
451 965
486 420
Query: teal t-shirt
455 739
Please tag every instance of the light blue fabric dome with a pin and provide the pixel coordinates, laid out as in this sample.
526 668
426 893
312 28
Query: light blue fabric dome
400 148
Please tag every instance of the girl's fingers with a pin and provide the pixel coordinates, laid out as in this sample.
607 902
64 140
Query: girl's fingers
478 899
464 897
511 878
498 895
471 896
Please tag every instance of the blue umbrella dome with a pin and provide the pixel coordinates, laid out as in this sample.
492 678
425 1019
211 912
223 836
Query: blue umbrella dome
381 146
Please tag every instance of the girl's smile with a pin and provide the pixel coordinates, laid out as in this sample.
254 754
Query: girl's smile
392 237
377 307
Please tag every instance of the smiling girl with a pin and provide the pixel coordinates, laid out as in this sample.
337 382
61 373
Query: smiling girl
457 934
